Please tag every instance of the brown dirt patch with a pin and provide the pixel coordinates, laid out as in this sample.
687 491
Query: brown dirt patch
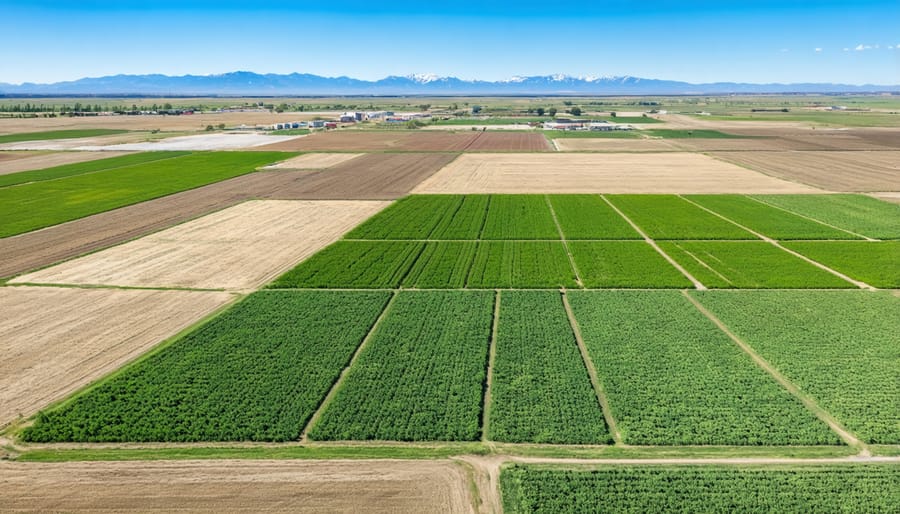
833 170
238 248
44 247
377 486
413 141
370 177
742 145
489 141
313 161
600 173
25 161
56 340
576 144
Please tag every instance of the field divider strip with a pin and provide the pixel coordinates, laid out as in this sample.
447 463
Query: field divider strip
697 284
592 372
776 244
820 222
304 435
489 376
846 435
565 243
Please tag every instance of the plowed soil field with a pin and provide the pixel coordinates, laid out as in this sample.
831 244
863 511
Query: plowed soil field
56 340
410 141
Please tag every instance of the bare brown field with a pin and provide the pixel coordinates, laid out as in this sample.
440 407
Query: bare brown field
492 141
413 141
575 144
832 170
887 137
376 486
33 250
25 161
742 145
56 340
239 248
601 173
384 176
313 161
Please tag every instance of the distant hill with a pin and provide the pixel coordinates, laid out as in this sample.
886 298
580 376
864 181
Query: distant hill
243 83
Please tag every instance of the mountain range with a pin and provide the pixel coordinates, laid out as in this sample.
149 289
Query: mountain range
244 83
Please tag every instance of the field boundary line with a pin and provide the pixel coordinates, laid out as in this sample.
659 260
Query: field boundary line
845 434
489 376
565 242
820 222
702 263
697 284
487 211
304 435
592 372
776 244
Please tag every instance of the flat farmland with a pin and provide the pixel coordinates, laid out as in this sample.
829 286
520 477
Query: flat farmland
57 340
71 170
37 249
832 170
313 161
237 248
674 172
412 141
613 145
860 214
875 263
14 162
304 486
671 217
625 264
385 176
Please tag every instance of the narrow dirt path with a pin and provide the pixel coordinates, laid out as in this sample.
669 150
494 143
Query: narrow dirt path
489 377
562 238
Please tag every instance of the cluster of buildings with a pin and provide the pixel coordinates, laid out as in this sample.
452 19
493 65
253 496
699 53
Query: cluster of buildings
575 124
350 117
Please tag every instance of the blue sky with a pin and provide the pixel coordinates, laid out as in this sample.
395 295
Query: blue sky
854 42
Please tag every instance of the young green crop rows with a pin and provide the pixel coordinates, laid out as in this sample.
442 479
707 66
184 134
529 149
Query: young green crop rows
672 377
257 372
860 214
671 217
541 391
839 347
421 376
789 490
37 205
80 168
58 134
875 263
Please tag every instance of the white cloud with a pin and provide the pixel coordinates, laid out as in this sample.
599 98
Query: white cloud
818 50
860 47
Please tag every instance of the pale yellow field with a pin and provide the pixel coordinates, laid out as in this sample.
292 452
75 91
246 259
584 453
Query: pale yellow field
672 172
305 486
39 160
238 248
313 161
575 144
56 340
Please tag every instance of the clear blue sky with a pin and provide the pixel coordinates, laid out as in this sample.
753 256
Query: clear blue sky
853 42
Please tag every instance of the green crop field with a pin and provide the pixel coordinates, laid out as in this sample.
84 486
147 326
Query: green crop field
421 376
354 264
41 204
519 217
508 264
875 263
673 378
442 265
257 372
467 220
541 391
768 221
57 134
670 217
748 265
857 213
840 347
589 217
624 264
427 217
783 489
81 168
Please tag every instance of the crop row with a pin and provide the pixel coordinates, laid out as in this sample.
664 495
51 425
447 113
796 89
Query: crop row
798 489
70 170
860 214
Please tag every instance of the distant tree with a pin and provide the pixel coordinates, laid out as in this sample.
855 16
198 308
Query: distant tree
476 109
551 112
576 111
540 111
210 128
613 114
221 126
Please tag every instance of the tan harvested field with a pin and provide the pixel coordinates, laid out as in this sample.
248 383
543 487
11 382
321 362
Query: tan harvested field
413 141
33 250
56 340
77 143
577 144
369 486
893 197
238 248
25 161
313 161
382 176
601 173
743 145
832 170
